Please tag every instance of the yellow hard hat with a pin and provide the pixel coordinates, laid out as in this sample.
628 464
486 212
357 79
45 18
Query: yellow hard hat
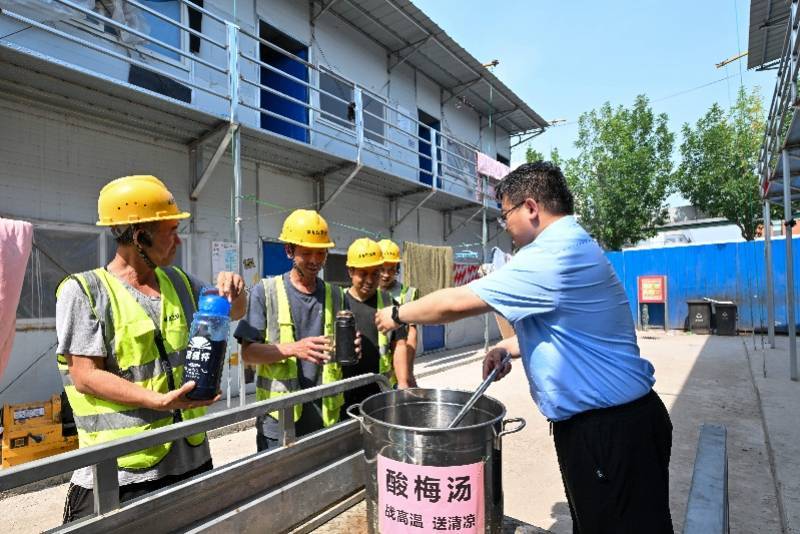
390 250
136 199
364 252
306 228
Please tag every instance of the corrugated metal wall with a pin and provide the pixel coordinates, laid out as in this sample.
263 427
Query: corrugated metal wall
722 271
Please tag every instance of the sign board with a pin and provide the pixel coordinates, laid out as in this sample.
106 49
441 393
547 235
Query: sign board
428 499
652 289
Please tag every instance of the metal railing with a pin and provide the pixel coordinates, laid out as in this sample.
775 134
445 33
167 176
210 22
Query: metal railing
230 68
103 457
783 103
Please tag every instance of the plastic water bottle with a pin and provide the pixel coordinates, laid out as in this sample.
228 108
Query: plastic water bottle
208 339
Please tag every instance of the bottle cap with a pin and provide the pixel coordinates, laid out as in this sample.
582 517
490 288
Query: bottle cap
214 305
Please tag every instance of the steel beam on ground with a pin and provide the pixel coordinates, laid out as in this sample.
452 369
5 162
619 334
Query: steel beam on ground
789 223
768 268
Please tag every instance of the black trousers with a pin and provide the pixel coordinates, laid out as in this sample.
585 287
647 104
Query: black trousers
615 466
80 500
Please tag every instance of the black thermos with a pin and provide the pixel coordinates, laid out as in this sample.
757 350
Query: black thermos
345 341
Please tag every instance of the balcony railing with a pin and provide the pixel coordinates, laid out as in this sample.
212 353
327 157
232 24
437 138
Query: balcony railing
783 104
240 76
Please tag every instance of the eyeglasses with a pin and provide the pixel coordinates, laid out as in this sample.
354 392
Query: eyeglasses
501 220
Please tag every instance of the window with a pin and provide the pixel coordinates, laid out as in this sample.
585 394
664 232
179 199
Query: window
63 250
504 160
374 126
335 90
162 30
332 109
58 253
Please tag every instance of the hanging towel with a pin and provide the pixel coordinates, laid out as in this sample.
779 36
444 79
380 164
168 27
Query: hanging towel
426 267
15 247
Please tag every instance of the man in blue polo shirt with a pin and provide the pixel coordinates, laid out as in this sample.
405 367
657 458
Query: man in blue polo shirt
576 339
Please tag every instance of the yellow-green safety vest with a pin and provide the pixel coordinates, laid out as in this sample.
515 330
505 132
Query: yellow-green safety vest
132 354
281 378
407 294
386 359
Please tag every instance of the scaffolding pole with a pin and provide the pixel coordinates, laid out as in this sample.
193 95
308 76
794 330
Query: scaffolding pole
484 243
789 225
768 268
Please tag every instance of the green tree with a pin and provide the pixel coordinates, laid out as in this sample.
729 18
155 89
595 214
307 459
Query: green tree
719 160
531 155
623 172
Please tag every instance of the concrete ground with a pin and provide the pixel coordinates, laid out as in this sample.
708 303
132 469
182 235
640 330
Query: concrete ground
731 381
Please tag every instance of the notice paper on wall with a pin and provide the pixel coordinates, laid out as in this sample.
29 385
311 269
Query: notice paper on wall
223 258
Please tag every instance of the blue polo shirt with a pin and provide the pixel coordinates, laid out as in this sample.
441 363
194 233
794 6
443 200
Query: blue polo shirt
573 323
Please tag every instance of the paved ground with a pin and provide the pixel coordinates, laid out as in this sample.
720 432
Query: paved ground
700 378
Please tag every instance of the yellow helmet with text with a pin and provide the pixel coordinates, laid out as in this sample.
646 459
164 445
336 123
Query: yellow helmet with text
306 228
136 199
364 252
390 250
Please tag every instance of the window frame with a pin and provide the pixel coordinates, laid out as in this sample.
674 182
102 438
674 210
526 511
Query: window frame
101 233
183 63
350 128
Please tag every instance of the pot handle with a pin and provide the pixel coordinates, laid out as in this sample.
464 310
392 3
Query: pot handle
349 411
521 424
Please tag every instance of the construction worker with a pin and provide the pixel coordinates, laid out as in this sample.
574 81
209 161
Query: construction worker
380 353
122 336
288 329
401 293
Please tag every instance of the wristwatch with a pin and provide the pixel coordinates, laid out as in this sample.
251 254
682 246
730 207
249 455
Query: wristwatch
396 316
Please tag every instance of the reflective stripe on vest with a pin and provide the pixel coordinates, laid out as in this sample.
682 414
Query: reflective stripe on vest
128 334
407 294
385 360
281 378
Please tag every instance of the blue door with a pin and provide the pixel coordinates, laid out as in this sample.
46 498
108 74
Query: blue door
426 123
283 84
433 337
275 260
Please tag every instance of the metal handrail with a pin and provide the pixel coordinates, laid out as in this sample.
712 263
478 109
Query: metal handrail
447 152
783 100
91 456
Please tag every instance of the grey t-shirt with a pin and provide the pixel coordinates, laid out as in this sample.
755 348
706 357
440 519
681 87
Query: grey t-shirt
80 333
307 311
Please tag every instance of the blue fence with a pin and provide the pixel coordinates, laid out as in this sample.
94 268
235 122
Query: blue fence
721 271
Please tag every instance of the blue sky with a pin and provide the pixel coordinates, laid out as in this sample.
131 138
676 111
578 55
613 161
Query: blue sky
564 58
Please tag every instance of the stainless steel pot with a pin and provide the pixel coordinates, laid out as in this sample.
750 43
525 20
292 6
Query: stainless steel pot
410 426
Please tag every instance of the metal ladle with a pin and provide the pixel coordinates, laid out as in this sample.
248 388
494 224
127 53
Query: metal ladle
478 392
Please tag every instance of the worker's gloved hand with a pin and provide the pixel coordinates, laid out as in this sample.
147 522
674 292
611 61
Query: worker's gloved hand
357 344
176 400
492 359
316 349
